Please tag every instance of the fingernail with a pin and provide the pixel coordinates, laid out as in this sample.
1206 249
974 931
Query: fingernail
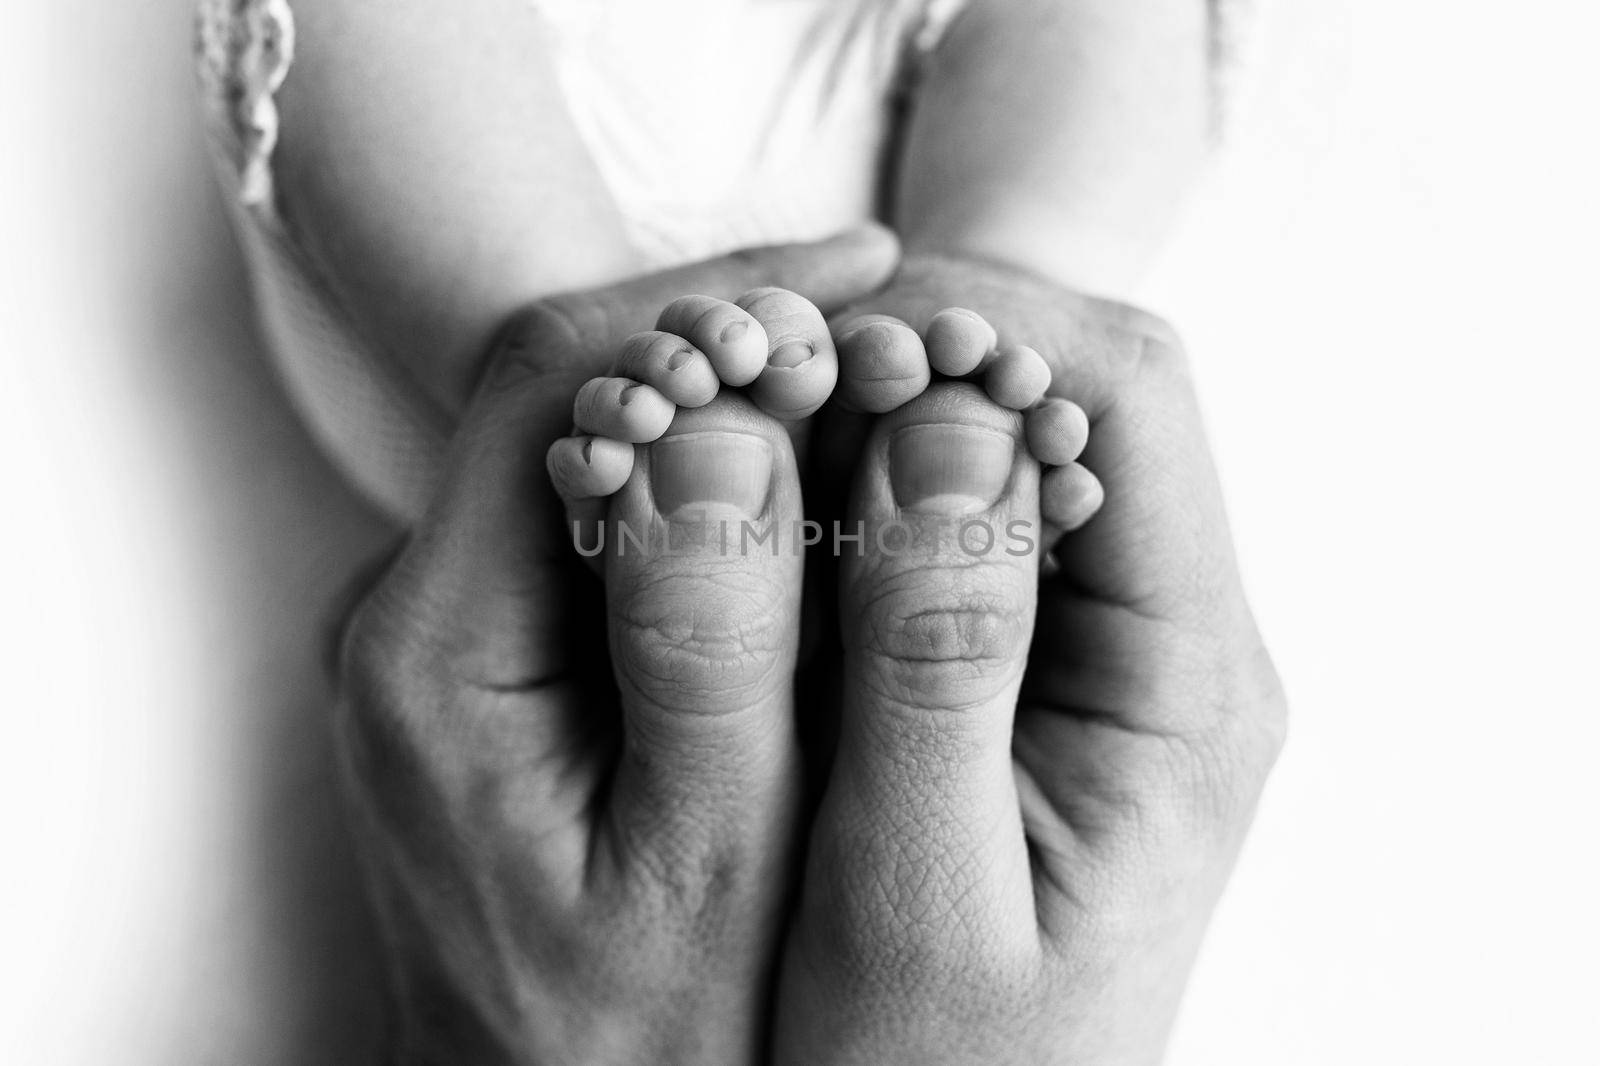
626 396
588 451
733 331
790 355
949 469
679 359
710 472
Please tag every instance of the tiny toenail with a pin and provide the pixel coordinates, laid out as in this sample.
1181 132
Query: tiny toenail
679 359
627 395
588 451
791 354
697 475
949 469
733 331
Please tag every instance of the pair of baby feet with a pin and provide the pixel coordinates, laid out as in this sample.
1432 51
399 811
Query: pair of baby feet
681 478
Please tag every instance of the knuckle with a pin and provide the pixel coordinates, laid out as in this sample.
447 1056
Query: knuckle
372 746
1149 325
1186 786
1253 720
1206 784
1130 345
422 769
917 620
1226 774
374 659
952 633
542 335
1272 717
388 672
1163 356
940 645
727 647
553 320
370 644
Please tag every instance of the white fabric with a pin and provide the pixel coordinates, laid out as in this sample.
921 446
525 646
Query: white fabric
743 97
739 97
738 94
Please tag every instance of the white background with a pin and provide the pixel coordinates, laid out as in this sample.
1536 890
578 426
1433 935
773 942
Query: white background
1390 289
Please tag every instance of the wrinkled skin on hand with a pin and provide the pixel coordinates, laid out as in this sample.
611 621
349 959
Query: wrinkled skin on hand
551 888
1149 718
555 882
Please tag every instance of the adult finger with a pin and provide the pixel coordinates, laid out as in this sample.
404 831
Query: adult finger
830 273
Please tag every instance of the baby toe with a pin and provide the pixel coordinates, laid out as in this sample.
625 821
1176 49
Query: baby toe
730 336
1069 496
670 365
793 393
1017 378
882 364
802 366
583 468
1058 431
959 341
622 409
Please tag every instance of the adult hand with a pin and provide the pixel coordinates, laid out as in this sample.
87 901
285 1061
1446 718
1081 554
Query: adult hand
565 870
993 880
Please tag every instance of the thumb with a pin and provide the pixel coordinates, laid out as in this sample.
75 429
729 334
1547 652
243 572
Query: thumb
831 273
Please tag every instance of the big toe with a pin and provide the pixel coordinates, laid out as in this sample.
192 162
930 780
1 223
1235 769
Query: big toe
937 613
882 364
938 603
802 365
702 586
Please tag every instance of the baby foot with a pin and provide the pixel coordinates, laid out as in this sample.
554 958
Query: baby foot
702 587
772 343
691 492
884 365
686 493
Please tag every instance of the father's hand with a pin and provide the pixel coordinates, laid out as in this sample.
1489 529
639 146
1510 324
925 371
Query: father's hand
978 893
558 880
